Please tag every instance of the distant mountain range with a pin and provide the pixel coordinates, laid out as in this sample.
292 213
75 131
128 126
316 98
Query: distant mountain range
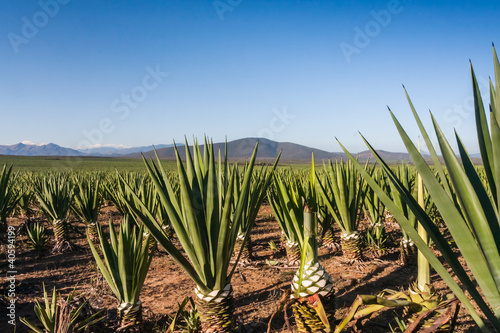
52 149
240 149
113 151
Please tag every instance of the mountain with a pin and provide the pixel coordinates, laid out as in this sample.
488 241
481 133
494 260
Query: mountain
242 149
114 151
50 149
476 155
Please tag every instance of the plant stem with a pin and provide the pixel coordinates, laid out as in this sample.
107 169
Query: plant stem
424 276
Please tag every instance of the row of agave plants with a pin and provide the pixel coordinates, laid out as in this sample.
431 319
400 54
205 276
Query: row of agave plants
211 206
338 194
220 219
59 194
149 201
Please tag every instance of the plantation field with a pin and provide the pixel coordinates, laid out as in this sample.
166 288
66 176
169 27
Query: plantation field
357 247
100 164
59 163
258 286
324 223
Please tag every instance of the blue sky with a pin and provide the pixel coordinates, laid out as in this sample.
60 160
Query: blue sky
79 73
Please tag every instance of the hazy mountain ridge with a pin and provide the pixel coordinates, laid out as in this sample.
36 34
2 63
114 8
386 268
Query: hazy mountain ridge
50 149
240 149
112 151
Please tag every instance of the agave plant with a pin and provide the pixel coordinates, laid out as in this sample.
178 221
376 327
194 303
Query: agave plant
26 199
9 196
161 210
54 194
61 315
468 208
115 191
326 221
87 202
258 186
288 232
407 179
311 282
127 257
345 203
206 225
37 236
312 287
187 321
376 236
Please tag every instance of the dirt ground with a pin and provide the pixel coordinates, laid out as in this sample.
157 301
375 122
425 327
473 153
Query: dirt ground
257 287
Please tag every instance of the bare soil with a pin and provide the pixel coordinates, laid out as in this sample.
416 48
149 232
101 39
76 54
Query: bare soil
257 287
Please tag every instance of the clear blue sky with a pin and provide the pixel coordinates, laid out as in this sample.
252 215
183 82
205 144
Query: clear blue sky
132 73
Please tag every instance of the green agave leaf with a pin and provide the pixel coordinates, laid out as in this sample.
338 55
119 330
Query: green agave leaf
496 95
325 187
495 136
484 139
476 208
124 261
432 150
487 213
212 207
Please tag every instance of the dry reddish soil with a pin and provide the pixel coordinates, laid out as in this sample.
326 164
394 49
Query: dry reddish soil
257 287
